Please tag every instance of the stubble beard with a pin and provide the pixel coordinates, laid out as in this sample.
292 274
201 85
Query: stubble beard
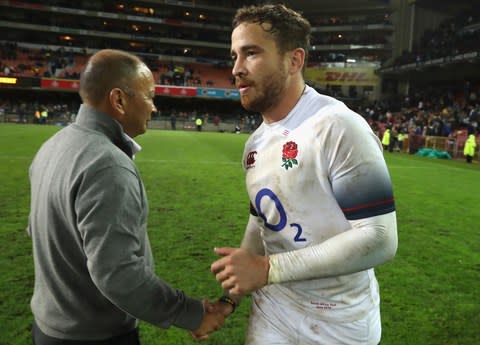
268 92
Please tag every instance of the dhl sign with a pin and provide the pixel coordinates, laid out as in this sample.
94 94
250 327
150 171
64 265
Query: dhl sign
342 76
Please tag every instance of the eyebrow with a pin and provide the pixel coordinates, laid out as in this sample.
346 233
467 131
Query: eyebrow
247 47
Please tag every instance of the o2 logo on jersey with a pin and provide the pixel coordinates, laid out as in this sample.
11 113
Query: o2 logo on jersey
267 193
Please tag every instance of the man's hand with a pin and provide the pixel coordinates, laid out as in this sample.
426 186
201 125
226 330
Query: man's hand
239 271
221 307
212 320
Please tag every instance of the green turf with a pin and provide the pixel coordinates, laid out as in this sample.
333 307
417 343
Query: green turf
198 200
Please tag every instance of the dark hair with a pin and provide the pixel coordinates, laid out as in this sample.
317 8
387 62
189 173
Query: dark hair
106 70
289 29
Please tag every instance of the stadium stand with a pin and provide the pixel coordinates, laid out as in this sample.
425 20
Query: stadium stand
410 65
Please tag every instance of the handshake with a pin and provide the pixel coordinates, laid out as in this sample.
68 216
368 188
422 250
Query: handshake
214 317
240 272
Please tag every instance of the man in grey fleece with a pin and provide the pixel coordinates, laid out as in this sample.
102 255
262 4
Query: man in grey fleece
94 270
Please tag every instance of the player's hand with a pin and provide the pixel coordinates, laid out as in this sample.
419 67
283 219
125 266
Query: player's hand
222 307
213 319
239 271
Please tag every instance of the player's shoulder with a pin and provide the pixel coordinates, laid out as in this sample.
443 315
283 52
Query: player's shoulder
320 105
329 111
333 119
256 135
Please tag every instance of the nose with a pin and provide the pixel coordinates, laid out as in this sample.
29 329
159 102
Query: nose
154 108
239 68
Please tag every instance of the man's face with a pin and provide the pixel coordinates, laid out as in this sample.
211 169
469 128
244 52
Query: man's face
259 69
139 103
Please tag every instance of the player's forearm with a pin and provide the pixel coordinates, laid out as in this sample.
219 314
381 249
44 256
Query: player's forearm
252 239
370 242
252 242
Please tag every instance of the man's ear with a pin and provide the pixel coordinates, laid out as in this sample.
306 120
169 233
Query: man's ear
297 60
117 100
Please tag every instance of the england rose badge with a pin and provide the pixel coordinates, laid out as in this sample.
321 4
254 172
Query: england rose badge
289 155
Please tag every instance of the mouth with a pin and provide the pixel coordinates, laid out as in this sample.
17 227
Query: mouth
243 87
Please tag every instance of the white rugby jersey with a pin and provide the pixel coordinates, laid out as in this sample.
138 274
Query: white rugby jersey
307 176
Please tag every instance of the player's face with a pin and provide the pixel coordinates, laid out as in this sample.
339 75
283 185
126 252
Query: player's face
139 103
259 69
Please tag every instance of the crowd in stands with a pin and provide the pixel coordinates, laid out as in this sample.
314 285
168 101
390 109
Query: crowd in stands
359 38
454 36
180 14
30 110
63 63
435 111
439 111
214 27
379 19
190 74
429 111
21 61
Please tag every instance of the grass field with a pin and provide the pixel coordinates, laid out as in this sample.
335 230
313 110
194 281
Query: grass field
430 291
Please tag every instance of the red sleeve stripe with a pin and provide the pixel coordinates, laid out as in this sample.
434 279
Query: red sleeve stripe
375 204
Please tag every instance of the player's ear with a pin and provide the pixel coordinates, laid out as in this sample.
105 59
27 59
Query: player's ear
297 59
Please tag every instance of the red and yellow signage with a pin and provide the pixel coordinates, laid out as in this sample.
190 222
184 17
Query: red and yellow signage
8 80
184 91
74 85
63 84
342 76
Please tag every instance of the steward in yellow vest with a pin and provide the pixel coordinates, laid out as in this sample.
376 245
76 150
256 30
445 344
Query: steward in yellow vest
469 148
386 139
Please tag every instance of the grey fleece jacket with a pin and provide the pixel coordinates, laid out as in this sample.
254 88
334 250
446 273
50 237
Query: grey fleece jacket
94 270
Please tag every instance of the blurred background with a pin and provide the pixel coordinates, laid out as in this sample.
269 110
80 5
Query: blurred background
410 65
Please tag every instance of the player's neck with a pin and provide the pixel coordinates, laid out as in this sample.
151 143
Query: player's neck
280 110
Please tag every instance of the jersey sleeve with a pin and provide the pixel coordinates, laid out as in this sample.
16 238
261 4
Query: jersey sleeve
369 242
357 170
